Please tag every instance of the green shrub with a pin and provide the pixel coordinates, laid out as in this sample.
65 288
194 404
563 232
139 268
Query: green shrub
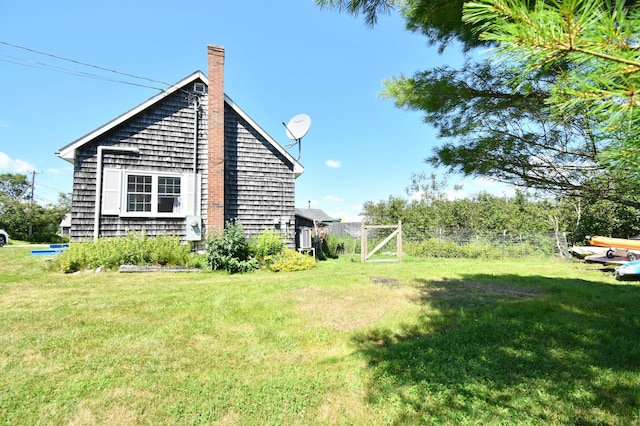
289 260
230 251
267 244
197 261
475 250
133 249
330 246
71 260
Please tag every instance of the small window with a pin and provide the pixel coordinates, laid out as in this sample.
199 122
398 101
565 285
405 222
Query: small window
199 88
139 191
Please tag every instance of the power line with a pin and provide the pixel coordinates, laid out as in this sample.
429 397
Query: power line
45 66
53 189
40 65
46 200
62 58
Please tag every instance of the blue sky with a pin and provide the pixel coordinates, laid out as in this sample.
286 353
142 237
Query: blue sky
283 58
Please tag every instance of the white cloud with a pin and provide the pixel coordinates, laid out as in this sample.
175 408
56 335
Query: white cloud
55 171
491 186
416 196
469 188
349 215
334 164
351 218
4 124
13 165
333 198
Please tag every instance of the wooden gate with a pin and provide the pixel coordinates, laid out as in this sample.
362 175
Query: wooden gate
366 257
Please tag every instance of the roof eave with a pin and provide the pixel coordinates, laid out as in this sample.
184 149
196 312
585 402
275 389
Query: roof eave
68 152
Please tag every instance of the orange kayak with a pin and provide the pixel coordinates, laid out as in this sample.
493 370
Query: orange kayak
614 242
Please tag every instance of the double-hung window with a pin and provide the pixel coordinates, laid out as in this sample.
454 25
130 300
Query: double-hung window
149 194
169 199
139 193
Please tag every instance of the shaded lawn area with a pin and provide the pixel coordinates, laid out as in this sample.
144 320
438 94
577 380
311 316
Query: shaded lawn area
422 342
511 349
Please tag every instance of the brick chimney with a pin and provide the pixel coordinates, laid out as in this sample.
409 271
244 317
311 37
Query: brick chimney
215 119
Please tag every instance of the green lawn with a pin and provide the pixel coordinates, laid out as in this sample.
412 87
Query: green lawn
419 342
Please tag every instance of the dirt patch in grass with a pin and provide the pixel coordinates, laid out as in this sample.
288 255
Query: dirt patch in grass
387 282
350 308
453 287
346 308
462 292
448 288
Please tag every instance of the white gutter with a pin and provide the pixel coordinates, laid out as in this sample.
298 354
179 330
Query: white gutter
196 107
101 149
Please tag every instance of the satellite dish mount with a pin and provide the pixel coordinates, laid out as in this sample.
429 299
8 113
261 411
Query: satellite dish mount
297 127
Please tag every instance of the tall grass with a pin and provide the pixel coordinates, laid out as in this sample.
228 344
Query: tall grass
417 342
133 249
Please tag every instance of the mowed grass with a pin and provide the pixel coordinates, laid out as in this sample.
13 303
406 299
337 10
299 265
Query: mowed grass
525 341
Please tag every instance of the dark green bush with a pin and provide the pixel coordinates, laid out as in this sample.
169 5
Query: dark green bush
230 251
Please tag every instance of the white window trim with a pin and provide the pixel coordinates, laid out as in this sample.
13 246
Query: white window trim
119 178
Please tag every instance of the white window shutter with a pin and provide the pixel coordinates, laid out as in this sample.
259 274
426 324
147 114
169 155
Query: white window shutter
190 193
111 185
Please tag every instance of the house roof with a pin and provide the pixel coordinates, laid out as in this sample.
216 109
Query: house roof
68 152
66 220
316 215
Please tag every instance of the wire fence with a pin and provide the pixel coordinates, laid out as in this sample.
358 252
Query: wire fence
458 243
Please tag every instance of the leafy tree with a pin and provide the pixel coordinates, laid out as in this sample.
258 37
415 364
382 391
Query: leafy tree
32 222
438 20
14 186
497 118
28 221
590 46
64 202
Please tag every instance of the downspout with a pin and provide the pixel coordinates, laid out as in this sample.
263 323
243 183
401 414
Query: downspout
196 107
101 149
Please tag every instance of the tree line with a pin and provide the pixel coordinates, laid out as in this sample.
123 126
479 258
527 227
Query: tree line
483 212
25 219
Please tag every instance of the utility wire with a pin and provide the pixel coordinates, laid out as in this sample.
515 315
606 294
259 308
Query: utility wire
83 63
53 189
40 65
46 200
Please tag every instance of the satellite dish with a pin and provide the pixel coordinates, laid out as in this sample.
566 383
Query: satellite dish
296 129
298 126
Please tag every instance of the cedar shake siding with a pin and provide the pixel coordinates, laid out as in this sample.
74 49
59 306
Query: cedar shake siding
164 136
140 168
259 181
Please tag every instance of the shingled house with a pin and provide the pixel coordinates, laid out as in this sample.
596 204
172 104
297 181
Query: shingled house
186 162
